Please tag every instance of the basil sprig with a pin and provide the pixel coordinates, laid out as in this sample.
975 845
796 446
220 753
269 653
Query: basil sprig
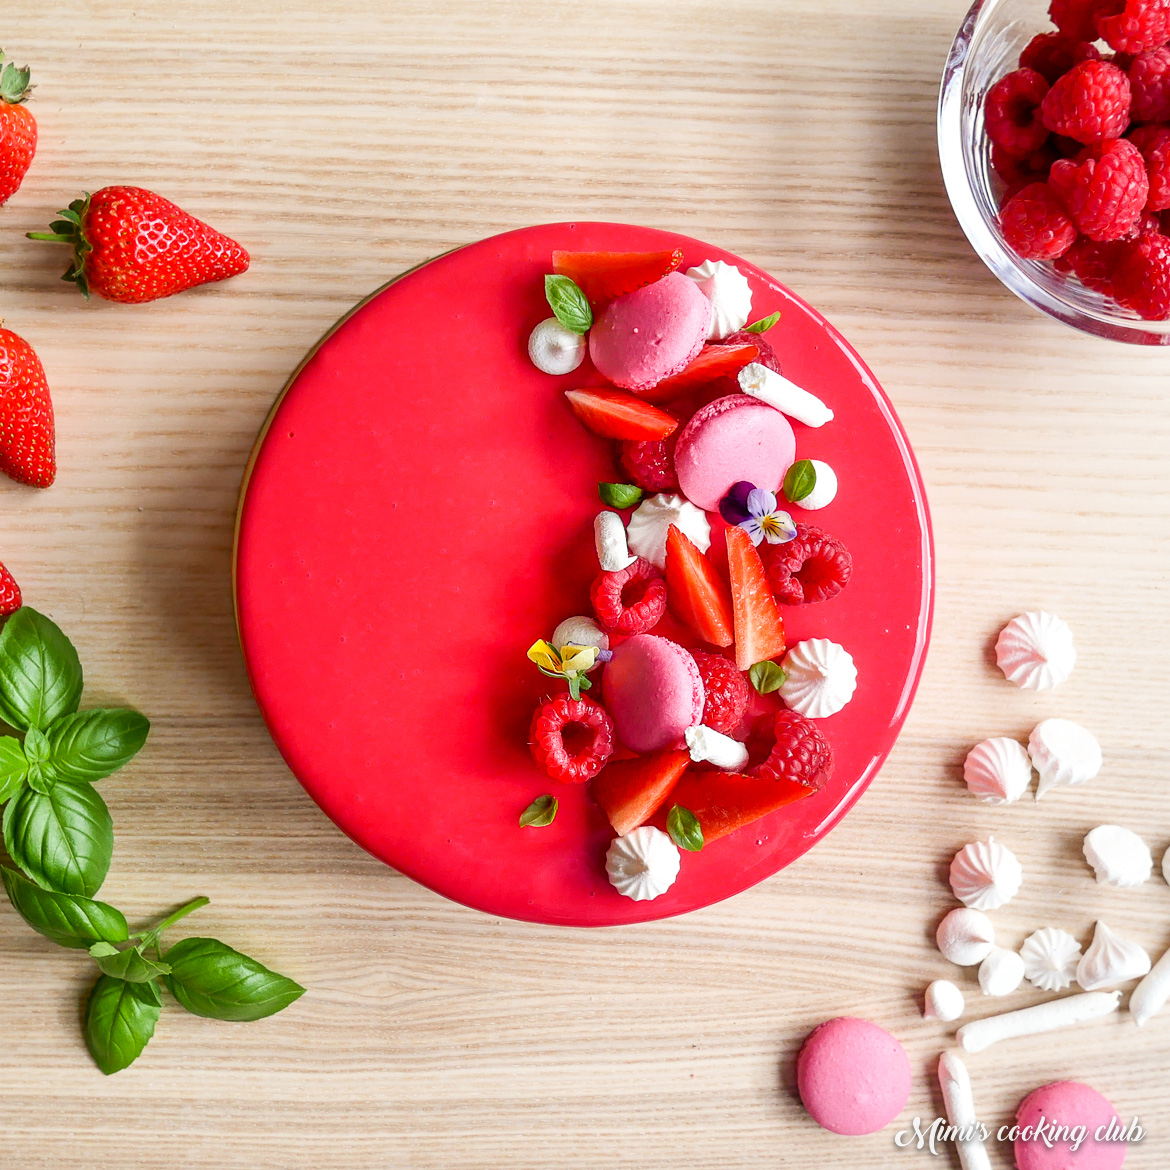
58 832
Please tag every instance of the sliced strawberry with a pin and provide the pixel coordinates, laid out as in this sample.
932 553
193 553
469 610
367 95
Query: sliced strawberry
9 593
713 362
632 791
759 628
605 276
618 414
724 801
694 591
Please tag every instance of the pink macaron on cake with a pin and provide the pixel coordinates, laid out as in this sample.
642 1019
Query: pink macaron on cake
683 704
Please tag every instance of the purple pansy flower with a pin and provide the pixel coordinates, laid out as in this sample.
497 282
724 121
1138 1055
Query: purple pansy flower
754 510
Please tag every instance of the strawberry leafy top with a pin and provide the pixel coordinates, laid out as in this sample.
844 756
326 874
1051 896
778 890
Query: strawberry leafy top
68 230
14 86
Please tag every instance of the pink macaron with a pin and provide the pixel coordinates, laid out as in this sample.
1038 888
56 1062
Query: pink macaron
1053 1118
653 691
853 1076
651 333
732 439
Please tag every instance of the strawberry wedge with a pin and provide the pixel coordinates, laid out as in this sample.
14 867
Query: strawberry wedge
632 791
694 591
759 628
605 276
712 362
618 414
723 801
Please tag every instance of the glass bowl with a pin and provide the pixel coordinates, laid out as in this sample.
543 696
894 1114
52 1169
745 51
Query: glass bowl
987 46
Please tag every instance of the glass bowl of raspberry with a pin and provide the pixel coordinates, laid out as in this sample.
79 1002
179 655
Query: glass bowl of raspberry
986 50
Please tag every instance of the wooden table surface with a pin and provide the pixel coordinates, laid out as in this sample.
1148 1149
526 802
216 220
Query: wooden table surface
343 142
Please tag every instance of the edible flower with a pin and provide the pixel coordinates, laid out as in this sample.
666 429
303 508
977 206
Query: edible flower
571 663
754 510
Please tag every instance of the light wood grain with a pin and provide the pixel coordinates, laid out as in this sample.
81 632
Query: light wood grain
343 142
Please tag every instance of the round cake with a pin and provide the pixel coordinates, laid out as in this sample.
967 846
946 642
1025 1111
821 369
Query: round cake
419 510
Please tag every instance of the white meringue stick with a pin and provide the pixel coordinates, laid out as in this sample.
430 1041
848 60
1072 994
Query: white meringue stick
609 535
959 1101
710 746
1151 994
1044 1017
787 397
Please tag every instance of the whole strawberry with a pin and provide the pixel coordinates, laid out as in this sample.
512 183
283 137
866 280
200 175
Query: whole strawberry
131 245
18 129
27 442
9 593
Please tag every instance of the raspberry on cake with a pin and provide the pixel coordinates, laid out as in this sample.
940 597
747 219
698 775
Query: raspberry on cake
813 567
571 739
650 463
726 690
629 601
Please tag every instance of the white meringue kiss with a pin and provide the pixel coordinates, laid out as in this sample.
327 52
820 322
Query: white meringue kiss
1064 753
821 678
1001 972
943 1001
965 937
824 488
643 864
986 875
729 293
1050 958
581 631
651 521
998 770
1110 960
1036 651
555 349
1119 857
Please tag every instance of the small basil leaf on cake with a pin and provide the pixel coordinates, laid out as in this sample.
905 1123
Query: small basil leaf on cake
800 480
131 964
89 745
13 767
542 811
568 303
62 839
211 979
762 325
619 495
767 676
684 829
40 675
120 1018
65 919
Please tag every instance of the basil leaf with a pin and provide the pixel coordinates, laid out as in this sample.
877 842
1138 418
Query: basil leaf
568 303
619 495
767 677
89 745
67 920
684 829
210 979
131 965
119 1021
40 777
62 839
542 811
764 324
13 767
40 675
799 480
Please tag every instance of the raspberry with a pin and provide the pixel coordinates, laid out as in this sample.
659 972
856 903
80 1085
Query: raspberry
1035 225
1154 143
1017 173
1133 26
1149 83
813 567
650 463
1089 103
629 601
1012 112
1074 18
1097 265
1103 189
801 754
571 738
1144 273
1054 54
767 355
727 692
